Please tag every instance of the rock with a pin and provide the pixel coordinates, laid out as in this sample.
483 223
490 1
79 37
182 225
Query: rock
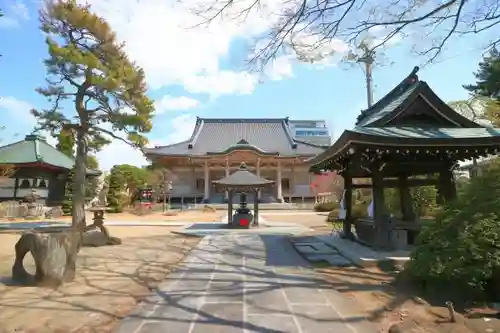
54 255
99 237
94 238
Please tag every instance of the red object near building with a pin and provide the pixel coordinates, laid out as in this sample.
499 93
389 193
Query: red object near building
324 182
244 222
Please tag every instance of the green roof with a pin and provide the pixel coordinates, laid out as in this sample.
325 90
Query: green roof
34 149
429 133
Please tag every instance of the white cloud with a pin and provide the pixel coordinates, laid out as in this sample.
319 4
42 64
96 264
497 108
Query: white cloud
14 15
179 128
165 38
167 103
19 120
280 68
222 83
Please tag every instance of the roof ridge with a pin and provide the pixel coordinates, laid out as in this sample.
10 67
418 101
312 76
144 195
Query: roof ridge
288 133
397 91
232 120
311 144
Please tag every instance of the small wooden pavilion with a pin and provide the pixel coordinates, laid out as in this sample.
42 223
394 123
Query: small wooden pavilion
242 181
410 137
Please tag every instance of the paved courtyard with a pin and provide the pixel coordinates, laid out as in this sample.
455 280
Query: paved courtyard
245 283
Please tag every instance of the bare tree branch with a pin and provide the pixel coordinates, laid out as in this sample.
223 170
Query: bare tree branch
305 27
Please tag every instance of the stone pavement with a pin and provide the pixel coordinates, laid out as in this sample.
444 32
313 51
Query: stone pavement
245 283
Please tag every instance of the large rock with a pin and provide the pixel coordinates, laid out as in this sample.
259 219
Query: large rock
54 255
99 237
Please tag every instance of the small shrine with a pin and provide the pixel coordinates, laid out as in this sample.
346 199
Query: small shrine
409 138
243 182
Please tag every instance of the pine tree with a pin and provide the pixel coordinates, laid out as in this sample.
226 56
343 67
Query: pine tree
487 77
88 69
115 186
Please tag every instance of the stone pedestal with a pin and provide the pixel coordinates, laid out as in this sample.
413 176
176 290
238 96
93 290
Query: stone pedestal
242 220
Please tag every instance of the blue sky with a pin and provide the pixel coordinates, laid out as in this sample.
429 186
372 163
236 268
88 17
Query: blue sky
201 74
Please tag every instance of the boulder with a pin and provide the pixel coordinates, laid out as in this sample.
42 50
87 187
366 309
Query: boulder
99 237
54 255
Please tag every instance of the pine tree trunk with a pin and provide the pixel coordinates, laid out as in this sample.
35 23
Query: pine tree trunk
78 211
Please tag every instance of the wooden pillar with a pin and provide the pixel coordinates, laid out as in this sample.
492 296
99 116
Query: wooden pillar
405 199
279 192
348 205
380 220
256 208
230 207
16 186
227 175
207 182
258 175
447 186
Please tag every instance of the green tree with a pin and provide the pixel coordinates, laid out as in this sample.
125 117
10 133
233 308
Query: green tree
66 143
487 77
460 250
116 185
88 68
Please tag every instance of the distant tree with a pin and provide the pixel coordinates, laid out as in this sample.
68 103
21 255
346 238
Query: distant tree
487 77
88 68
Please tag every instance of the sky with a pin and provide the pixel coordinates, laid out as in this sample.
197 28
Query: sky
201 72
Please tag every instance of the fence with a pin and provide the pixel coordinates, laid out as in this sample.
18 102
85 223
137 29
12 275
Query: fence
13 209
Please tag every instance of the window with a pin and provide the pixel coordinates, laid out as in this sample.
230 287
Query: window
25 183
285 184
200 184
311 133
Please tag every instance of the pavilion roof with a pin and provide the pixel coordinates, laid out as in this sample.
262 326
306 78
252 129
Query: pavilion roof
242 178
220 136
411 115
35 149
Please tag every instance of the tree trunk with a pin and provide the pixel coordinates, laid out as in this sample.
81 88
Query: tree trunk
78 195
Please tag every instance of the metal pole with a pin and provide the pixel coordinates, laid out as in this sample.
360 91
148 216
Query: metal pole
368 59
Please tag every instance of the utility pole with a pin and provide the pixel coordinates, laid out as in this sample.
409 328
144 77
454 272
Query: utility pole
368 58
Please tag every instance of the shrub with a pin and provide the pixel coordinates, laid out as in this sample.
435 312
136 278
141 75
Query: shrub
325 206
461 249
333 215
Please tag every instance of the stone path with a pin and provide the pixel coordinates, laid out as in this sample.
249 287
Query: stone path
245 283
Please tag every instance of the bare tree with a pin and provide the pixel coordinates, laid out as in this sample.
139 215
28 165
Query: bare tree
315 26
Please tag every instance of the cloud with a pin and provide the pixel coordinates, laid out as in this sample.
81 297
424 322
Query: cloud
14 15
167 103
20 121
166 39
178 128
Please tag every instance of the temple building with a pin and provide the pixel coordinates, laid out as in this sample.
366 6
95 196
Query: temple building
217 147
37 166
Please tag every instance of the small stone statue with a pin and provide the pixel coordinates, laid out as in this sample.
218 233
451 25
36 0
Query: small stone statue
30 199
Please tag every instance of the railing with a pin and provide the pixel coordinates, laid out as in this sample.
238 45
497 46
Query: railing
12 209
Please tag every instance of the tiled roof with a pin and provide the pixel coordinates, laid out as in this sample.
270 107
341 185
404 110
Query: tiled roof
391 101
429 133
214 135
34 149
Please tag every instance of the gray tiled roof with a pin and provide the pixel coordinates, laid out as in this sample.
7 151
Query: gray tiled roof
429 133
213 135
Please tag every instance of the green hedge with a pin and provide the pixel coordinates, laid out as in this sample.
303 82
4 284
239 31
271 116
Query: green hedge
325 206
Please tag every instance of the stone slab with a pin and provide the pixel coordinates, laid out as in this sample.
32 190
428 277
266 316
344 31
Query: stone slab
314 248
332 259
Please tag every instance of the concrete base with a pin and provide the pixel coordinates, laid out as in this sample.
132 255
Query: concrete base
365 256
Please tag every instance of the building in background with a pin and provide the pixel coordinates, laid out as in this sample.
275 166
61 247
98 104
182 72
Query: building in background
313 131
216 149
